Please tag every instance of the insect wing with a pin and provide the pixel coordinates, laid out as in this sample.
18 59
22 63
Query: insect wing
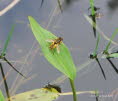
49 40
58 49
99 15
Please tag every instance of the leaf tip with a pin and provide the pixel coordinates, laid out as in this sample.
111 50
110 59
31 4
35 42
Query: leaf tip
30 17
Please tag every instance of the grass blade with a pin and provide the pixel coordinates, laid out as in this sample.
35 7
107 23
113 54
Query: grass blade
96 47
112 55
7 41
112 37
92 7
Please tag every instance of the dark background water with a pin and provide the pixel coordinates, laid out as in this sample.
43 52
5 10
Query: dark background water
77 34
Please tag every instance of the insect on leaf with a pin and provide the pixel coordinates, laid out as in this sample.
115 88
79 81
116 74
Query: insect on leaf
96 47
43 94
62 60
36 95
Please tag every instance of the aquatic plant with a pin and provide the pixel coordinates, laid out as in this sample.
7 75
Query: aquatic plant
63 60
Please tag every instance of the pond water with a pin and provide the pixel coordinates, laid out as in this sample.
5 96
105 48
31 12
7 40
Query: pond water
25 53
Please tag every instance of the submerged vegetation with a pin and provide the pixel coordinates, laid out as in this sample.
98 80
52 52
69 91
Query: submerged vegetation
58 55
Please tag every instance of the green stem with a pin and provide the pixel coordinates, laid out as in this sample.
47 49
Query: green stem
92 7
5 82
73 90
96 48
112 37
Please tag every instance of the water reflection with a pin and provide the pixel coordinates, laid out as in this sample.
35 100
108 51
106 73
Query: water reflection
67 3
113 5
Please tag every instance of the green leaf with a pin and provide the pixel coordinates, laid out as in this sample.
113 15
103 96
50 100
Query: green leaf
63 60
7 41
37 95
1 96
112 37
96 48
113 55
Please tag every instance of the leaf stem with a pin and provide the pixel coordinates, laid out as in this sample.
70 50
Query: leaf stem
5 82
73 89
96 48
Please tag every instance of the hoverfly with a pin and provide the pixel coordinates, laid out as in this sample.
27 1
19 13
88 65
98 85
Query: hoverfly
97 13
55 43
